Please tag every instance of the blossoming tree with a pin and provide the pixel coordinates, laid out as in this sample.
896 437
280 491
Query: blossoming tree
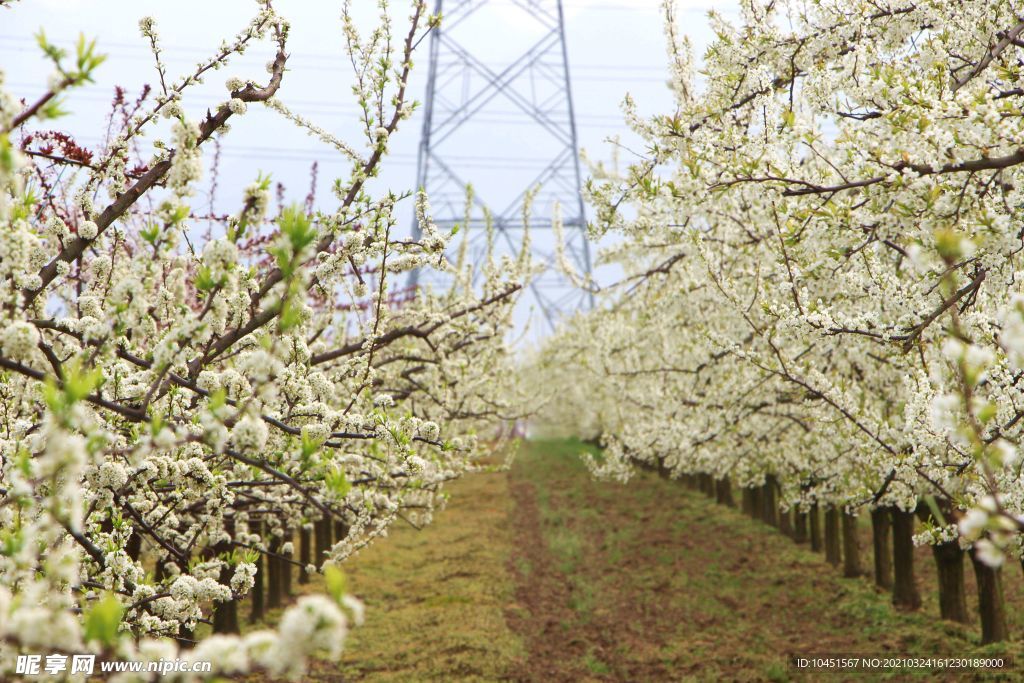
822 278
184 396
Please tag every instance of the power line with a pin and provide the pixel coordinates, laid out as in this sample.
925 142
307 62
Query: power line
324 156
498 117
181 52
604 77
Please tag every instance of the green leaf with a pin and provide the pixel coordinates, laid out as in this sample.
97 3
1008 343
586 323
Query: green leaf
156 424
336 582
297 227
337 482
150 234
11 542
52 110
936 512
103 619
310 446
218 399
290 317
205 281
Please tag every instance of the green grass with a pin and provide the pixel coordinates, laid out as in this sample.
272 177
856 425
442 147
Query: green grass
436 599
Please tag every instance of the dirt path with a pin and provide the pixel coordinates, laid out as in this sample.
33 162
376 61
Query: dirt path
543 613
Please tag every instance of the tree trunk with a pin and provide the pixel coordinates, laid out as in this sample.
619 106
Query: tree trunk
723 492
305 553
286 566
799 526
274 574
323 540
258 608
786 522
134 546
881 527
949 560
225 614
904 587
757 500
833 554
186 637
748 507
991 606
707 485
851 547
769 508
815 517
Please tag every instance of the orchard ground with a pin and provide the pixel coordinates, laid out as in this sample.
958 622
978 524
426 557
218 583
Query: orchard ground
542 574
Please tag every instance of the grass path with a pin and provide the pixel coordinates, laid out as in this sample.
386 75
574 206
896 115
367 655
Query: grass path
541 574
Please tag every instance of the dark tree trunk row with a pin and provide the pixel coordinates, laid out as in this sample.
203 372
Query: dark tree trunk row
892 532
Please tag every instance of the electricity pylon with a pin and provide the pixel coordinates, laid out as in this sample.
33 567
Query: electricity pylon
482 114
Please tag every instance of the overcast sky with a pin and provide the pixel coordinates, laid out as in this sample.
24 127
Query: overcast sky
614 47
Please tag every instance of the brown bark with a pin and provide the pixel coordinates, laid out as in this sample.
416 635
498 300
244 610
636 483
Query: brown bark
757 502
707 485
748 505
851 546
815 517
286 566
904 587
723 492
786 522
225 614
833 553
186 637
881 532
991 606
134 546
799 526
305 553
949 561
274 574
258 606
769 508
323 540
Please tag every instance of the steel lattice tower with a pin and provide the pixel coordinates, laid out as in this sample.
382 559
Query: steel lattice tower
481 115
